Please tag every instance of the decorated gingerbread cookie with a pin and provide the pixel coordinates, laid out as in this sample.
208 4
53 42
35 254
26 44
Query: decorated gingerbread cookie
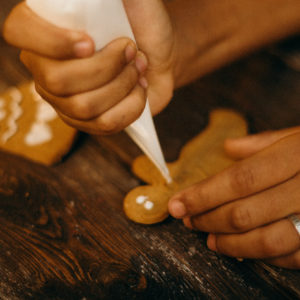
202 157
30 127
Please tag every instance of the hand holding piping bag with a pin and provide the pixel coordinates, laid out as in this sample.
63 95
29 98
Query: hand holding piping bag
102 92
244 208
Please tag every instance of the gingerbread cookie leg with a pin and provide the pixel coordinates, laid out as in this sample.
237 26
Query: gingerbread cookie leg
30 127
203 156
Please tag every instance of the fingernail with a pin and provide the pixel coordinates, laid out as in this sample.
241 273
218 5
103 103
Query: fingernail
177 209
83 48
143 82
212 242
130 52
141 63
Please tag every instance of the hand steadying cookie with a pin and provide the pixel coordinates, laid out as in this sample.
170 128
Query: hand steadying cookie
200 158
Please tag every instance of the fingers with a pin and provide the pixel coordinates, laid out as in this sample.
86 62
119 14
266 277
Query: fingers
23 28
277 239
117 118
89 105
75 76
249 145
291 261
252 175
251 212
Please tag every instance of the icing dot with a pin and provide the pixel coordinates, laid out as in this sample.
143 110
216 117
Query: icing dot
141 199
149 205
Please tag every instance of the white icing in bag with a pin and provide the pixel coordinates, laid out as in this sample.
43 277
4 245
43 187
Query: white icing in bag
104 21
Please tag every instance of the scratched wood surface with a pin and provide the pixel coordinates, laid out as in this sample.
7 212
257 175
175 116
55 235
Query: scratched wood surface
63 234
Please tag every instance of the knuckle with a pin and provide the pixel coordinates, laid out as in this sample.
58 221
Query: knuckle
53 82
196 198
242 179
241 218
80 108
107 125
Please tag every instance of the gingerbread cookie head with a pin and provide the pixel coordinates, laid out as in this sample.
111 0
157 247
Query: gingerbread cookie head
30 127
202 157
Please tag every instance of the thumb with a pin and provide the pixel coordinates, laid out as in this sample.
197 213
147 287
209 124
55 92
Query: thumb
26 30
251 144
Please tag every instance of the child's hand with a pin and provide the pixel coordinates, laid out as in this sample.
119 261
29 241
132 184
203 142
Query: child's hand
99 93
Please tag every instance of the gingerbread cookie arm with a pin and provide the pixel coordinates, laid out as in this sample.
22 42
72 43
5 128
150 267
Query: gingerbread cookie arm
206 151
144 169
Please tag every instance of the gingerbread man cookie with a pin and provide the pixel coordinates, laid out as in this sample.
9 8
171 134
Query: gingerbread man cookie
202 157
30 127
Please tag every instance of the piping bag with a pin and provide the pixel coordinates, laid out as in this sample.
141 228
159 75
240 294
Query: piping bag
104 21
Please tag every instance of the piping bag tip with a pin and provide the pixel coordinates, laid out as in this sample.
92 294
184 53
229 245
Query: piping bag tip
143 133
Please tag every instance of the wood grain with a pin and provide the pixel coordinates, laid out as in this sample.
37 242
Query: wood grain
63 232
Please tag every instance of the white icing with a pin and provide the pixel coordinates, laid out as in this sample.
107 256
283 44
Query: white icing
145 200
149 205
16 112
39 133
141 199
2 111
45 112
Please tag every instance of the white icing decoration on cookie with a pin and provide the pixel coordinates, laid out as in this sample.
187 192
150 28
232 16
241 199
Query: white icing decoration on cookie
149 205
40 132
16 112
45 112
145 200
2 111
141 199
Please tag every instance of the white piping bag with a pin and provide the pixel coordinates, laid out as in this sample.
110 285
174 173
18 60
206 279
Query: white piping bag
104 21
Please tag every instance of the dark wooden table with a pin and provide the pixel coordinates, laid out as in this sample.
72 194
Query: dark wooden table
63 234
